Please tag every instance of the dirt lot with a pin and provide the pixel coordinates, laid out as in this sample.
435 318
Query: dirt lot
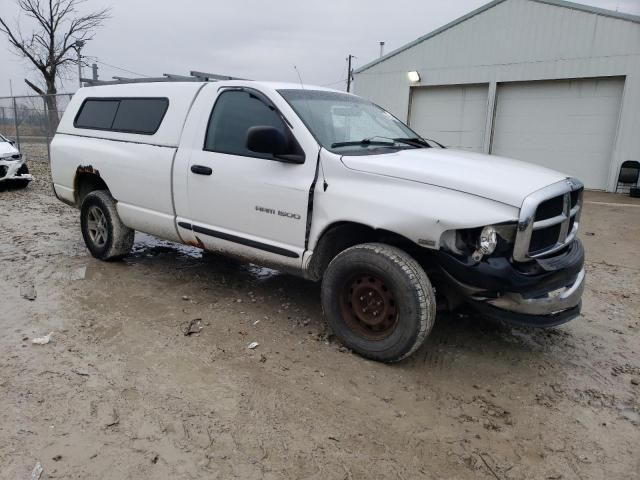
121 392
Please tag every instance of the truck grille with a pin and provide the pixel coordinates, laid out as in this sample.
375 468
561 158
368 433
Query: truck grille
543 239
550 208
548 220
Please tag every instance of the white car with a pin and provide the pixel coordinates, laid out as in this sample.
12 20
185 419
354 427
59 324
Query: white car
330 187
13 167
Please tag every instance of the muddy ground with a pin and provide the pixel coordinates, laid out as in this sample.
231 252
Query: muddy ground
121 392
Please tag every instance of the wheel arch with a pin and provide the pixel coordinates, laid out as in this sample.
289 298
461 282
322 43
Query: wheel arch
86 180
341 235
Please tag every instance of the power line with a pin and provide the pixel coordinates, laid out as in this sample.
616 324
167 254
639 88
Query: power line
122 69
334 83
118 68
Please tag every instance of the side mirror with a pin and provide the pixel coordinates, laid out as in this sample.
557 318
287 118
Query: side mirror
12 142
272 141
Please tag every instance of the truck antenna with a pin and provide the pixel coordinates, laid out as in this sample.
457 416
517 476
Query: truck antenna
299 76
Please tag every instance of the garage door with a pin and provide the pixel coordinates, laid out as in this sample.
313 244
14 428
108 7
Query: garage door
452 115
568 125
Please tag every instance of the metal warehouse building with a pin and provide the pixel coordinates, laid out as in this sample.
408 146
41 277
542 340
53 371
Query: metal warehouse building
545 81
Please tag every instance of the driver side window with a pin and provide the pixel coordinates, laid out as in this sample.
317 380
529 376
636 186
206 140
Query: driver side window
234 113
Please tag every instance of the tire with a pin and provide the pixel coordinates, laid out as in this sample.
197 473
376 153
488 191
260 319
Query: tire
378 301
106 237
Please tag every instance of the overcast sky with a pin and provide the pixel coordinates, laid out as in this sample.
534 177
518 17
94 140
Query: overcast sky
255 39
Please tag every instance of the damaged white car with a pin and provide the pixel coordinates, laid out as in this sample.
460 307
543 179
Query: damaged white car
13 166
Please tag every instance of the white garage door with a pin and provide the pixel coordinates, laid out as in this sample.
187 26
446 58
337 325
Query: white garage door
568 125
452 115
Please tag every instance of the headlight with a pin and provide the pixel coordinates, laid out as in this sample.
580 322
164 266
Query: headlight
488 240
487 243
479 242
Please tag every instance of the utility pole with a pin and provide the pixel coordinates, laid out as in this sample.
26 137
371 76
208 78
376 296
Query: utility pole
78 48
349 72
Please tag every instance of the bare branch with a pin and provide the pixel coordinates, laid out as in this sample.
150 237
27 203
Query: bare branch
81 28
33 9
19 44
58 24
37 89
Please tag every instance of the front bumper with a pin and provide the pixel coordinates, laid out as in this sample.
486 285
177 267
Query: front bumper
547 294
10 170
551 302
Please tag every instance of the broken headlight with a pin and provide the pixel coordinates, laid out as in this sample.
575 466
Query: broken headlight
487 243
481 241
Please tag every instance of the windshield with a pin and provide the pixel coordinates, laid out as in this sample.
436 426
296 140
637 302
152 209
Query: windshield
348 124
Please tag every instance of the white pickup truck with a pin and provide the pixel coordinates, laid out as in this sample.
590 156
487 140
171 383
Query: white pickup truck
330 187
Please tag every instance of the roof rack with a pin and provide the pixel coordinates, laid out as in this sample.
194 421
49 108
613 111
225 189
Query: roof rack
194 76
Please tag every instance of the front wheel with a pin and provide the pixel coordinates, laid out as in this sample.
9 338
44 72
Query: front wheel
106 237
378 301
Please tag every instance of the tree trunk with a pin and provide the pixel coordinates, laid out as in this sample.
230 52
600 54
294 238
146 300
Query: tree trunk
52 106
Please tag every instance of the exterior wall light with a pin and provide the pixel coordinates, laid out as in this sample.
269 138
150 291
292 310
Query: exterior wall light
413 76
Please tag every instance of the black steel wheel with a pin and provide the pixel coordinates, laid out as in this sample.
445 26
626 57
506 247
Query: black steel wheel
378 301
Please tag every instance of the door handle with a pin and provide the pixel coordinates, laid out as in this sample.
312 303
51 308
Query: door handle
201 170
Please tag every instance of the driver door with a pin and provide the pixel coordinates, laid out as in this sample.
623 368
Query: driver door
240 201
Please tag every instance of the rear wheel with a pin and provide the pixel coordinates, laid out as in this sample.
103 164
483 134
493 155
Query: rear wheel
106 237
378 301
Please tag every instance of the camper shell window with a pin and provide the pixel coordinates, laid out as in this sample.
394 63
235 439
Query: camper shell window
128 115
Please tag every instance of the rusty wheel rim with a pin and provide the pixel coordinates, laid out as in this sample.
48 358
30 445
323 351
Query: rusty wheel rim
369 307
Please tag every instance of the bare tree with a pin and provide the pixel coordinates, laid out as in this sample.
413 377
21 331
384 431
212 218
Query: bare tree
50 46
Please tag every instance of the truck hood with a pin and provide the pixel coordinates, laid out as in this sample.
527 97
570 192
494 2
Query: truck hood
496 178
6 149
